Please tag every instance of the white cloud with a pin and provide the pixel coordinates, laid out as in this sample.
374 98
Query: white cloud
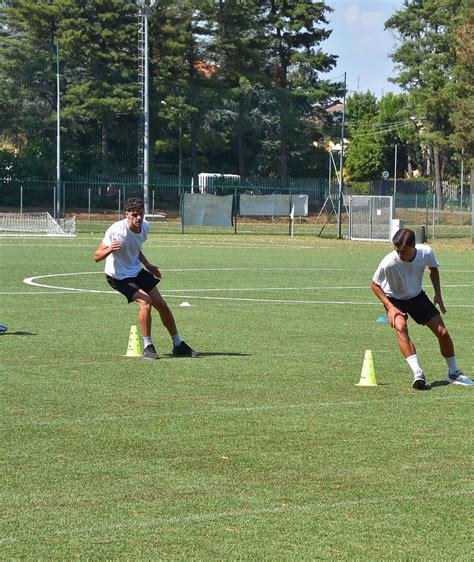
366 27
367 19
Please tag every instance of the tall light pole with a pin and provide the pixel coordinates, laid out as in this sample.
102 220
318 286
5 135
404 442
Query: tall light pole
57 210
340 200
145 6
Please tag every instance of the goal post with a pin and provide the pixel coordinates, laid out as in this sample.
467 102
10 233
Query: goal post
370 217
36 224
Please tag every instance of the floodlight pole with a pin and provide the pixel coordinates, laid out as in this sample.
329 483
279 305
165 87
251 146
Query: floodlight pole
144 6
57 210
340 201
146 118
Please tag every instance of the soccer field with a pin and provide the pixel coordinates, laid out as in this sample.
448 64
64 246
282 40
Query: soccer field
261 448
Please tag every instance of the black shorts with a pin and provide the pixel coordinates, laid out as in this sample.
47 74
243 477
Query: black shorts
130 285
420 308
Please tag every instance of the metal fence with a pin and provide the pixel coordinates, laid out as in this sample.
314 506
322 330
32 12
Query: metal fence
414 202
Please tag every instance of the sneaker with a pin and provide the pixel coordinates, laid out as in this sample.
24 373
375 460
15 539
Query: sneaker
150 353
183 350
459 378
419 381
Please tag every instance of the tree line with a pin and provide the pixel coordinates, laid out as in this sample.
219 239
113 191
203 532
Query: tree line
236 86
431 121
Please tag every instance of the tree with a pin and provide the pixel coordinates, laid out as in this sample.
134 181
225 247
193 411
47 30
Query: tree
462 116
425 59
181 72
294 31
27 75
98 45
396 127
364 151
98 62
237 50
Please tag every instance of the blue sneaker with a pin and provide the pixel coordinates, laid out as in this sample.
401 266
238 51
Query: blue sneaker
459 378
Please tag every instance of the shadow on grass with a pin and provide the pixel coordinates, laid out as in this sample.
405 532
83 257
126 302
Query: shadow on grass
434 384
211 354
18 333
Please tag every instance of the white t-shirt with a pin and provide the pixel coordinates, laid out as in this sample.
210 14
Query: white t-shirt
404 279
124 262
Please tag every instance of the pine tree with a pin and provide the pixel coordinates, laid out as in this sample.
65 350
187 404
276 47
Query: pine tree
28 82
462 117
98 62
294 31
425 59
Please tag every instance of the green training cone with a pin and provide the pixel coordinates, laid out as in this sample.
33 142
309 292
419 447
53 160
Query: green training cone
367 375
134 348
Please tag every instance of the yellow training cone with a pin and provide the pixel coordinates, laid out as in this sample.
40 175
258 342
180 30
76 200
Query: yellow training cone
367 376
134 348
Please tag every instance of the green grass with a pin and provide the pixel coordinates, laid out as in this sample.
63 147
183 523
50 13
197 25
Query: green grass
263 447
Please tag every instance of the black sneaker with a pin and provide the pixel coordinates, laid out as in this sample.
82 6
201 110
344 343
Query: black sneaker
183 350
150 353
419 381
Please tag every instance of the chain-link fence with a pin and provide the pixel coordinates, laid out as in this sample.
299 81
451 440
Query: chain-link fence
448 216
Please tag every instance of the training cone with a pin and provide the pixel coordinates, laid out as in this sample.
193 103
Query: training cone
134 348
367 376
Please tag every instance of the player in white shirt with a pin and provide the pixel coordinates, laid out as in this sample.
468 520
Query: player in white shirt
122 250
398 284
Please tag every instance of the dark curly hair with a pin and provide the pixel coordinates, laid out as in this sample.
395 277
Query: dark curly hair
134 205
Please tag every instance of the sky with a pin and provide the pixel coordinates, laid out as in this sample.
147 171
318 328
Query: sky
362 44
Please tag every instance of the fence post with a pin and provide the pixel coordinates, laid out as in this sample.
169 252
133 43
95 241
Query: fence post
462 187
235 210
89 201
21 199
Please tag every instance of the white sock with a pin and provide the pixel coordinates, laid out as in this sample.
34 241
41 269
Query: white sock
176 339
452 365
147 341
413 362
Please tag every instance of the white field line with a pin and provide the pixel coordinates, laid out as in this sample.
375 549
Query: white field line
225 411
238 513
190 293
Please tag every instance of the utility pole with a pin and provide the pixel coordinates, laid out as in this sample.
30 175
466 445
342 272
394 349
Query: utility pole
57 210
340 201
143 79
395 175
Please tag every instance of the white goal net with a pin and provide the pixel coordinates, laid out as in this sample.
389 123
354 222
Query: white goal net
35 224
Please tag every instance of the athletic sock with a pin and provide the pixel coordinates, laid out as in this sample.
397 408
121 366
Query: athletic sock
176 339
452 365
413 362
147 341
